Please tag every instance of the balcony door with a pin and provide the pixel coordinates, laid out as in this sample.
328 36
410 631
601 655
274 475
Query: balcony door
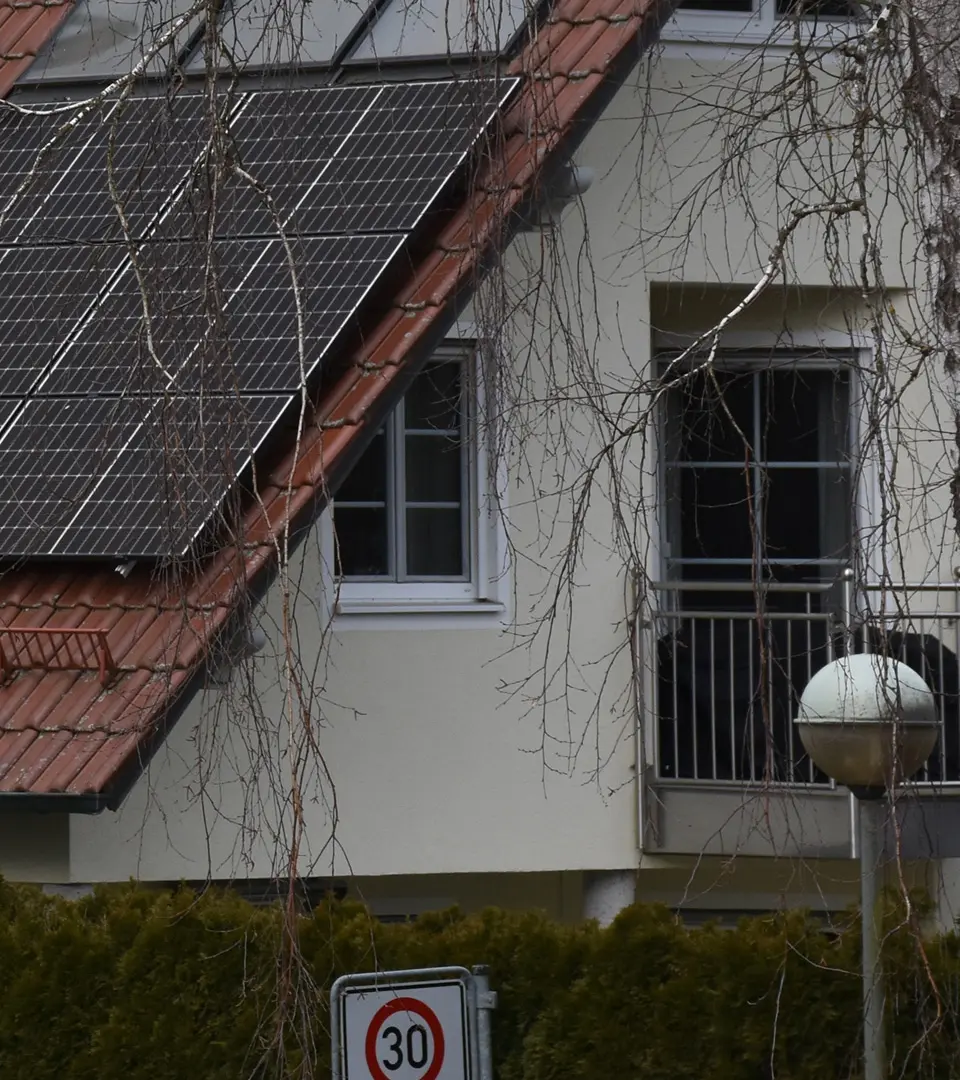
757 482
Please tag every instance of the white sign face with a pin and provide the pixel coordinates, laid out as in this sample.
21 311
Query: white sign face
413 1031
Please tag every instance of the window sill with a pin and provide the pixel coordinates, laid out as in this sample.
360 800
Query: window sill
419 607
419 615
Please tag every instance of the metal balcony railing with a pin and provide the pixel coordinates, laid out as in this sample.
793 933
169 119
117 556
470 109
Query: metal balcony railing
727 681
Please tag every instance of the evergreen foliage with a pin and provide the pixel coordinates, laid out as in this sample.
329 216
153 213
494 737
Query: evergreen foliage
132 983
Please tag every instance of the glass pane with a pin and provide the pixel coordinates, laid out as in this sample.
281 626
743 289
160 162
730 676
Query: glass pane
804 415
367 481
433 401
714 514
807 513
433 468
822 9
362 543
717 5
704 431
434 543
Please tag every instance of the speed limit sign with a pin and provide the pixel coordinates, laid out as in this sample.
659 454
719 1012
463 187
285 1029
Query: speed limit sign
411 1025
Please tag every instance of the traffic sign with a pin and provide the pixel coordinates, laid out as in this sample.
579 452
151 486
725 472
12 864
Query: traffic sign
406 1025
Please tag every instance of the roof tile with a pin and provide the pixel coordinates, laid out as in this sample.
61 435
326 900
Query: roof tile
25 27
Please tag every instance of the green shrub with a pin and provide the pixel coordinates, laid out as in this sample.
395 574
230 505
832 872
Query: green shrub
131 984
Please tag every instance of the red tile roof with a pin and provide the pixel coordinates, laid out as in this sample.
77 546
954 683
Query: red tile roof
25 27
64 735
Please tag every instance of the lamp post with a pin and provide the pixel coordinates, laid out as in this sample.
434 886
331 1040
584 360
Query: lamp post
869 722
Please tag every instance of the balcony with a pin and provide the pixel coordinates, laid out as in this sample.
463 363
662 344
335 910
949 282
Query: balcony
721 669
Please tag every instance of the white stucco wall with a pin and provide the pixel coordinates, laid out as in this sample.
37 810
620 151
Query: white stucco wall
436 769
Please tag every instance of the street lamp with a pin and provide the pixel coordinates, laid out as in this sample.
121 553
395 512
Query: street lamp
869 722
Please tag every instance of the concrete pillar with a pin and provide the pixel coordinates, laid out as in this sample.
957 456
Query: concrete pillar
944 887
607 892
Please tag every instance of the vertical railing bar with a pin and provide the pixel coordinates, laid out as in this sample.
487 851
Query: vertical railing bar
789 718
675 622
751 710
732 670
941 742
693 696
713 697
770 732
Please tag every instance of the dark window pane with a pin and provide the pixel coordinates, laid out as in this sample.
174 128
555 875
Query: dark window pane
433 471
703 428
805 416
434 543
717 5
822 9
361 542
433 401
367 481
715 514
803 508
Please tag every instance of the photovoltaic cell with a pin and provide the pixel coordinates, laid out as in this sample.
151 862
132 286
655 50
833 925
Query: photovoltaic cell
8 409
141 153
171 479
282 141
155 319
400 156
50 462
37 151
44 292
227 322
261 320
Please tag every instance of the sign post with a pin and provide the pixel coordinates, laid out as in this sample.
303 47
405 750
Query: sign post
421 1024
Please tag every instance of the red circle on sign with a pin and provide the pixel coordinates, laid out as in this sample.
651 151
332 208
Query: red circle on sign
412 1005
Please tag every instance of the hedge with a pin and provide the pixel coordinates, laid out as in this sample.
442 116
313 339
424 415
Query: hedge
131 983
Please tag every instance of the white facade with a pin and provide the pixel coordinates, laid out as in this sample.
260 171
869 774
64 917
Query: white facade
448 778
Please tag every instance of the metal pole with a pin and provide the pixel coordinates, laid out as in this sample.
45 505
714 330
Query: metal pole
871 850
486 1003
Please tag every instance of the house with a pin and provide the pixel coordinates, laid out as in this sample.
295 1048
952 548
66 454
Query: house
441 272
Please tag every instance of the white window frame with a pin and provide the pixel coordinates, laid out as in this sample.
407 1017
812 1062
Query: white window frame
865 486
482 597
740 361
762 26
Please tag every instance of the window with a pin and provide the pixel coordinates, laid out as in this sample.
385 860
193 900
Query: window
412 520
758 474
761 20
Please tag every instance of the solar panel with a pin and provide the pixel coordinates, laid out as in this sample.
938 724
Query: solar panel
333 276
224 323
400 156
165 486
283 141
50 461
139 156
44 292
153 319
37 150
152 372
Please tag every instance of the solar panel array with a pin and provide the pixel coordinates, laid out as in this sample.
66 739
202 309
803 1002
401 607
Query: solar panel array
151 337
